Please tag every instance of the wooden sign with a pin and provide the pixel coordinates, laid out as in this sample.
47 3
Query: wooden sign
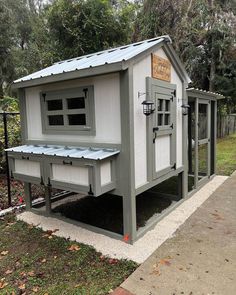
161 68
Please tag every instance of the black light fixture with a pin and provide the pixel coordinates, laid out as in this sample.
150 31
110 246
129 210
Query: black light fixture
148 107
185 108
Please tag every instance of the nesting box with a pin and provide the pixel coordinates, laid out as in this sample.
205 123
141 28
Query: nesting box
114 121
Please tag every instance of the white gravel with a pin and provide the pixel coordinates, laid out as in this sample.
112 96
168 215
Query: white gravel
146 245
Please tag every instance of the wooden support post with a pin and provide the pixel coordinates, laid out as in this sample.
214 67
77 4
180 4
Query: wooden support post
48 194
28 195
129 218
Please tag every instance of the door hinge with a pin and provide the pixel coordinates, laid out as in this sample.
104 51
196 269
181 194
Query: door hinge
154 137
44 96
174 93
85 90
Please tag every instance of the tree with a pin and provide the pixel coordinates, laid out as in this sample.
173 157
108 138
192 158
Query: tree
81 27
203 34
6 41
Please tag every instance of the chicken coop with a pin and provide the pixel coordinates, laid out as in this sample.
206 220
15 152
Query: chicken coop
117 122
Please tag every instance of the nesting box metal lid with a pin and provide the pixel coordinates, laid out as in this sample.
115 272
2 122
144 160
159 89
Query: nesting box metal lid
66 151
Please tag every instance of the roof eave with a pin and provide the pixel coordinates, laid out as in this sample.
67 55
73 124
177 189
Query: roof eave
83 73
177 62
195 91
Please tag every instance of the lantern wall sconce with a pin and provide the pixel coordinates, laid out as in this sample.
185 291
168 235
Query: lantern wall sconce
185 108
148 107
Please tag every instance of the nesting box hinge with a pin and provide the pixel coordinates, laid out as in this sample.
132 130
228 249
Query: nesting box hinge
67 163
155 129
49 181
172 126
41 182
174 166
90 192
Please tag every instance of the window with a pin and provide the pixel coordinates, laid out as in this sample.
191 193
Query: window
163 112
69 110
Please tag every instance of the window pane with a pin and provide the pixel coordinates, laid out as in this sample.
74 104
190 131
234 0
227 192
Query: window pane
55 120
54 105
160 116
167 119
167 108
76 103
160 105
79 119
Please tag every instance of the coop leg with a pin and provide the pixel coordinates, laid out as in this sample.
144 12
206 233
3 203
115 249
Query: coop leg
129 218
184 184
28 195
48 194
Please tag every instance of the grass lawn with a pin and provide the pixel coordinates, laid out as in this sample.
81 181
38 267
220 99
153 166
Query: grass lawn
35 262
226 155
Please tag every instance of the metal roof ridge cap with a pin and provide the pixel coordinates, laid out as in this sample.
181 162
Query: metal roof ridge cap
127 61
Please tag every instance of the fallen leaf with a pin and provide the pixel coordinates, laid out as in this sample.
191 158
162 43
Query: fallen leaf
43 260
10 223
3 285
77 286
156 270
8 272
31 273
113 261
217 216
74 247
35 289
23 274
55 257
21 286
4 253
126 238
165 262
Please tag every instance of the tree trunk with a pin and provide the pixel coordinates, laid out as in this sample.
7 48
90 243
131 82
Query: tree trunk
212 74
1 90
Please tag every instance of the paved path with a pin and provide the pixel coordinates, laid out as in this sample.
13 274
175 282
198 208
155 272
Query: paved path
200 258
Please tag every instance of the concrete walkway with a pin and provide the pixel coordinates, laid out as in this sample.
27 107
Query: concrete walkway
199 259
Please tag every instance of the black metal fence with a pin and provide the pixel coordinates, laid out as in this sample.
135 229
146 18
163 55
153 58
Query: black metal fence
14 119
12 191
